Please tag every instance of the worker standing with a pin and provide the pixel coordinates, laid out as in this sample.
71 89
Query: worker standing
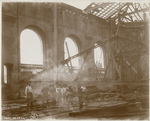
53 94
45 91
29 95
69 94
64 91
58 94
80 95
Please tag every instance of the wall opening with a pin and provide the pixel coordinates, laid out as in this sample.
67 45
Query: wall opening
5 75
99 57
73 50
31 48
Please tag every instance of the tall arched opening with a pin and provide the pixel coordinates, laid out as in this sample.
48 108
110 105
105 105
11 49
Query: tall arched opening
70 49
31 48
99 57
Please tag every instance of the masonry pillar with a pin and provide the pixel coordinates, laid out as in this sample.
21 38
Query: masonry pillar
18 43
55 42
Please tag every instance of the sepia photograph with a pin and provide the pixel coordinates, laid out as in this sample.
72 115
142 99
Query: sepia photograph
75 60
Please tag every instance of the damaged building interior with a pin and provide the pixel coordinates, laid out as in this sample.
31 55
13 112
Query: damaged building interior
61 62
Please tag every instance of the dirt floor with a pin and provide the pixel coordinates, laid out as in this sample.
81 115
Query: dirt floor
94 109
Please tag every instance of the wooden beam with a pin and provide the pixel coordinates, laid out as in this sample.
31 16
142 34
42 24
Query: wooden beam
116 65
111 82
134 14
97 6
138 23
97 75
146 9
107 68
136 43
111 14
63 62
118 20
128 4
137 13
122 83
127 18
60 69
124 27
125 60
85 51
68 55
81 66
145 5
142 8
109 11
70 71
81 53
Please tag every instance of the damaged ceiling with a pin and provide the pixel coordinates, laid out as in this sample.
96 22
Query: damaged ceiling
128 12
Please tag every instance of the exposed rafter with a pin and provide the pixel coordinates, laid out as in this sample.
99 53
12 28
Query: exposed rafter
144 10
134 14
115 12
125 11
109 11
96 6
137 12
127 18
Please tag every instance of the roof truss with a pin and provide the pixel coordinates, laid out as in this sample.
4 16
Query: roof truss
129 12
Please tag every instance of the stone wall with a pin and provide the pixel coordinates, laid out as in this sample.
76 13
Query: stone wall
85 29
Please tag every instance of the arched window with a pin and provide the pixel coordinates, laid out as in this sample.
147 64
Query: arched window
5 74
73 50
31 48
98 57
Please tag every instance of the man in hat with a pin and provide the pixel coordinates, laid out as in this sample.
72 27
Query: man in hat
45 91
59 93
52 89
69 94
80 96
29 95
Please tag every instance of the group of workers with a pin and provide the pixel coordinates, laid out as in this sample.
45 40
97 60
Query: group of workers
57 94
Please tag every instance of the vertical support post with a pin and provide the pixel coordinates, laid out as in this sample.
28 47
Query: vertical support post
118 20
144 17
117 51
106 69
2 62
110 28
18 43
121 63
55 42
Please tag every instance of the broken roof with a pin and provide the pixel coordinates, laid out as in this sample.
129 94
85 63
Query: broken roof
129 12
